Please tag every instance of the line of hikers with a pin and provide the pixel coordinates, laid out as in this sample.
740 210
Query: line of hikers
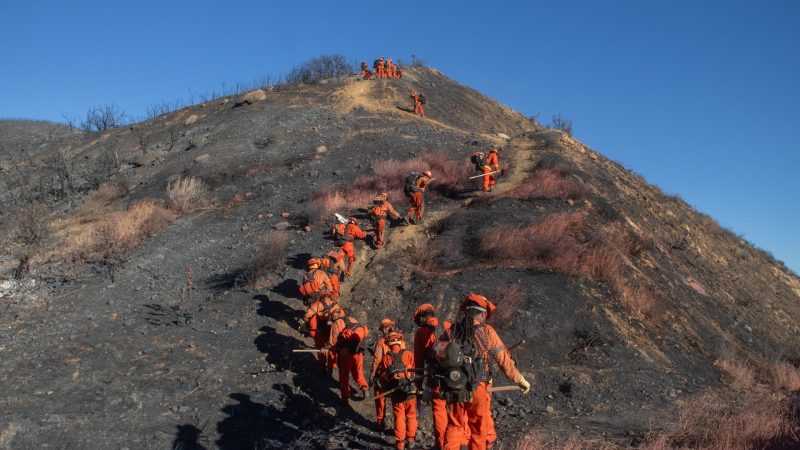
450 364
383 69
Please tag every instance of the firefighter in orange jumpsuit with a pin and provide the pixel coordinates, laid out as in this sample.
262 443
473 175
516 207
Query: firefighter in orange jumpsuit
381 348
365 73
424 338
418 199
389 69
347 233
419 107
397 368
381 68
492 165
334 271
379 213
316 319
315 280
470 418
346 339
398 72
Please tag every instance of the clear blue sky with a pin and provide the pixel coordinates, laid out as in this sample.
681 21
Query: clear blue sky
700 97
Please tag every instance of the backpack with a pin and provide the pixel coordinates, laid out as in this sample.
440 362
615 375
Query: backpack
422 99
340 238
397 368
457 369
478 161
310 284
410 184
350 339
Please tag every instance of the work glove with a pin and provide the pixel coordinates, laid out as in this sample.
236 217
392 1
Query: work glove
523 383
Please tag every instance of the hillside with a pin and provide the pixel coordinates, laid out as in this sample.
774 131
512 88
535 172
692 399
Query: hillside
178 334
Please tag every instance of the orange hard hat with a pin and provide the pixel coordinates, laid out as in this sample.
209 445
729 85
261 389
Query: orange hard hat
313 263
422 310
479 302
427 173
325 261
386 323
394 338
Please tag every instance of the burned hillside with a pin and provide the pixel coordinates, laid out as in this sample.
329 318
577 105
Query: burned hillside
157 305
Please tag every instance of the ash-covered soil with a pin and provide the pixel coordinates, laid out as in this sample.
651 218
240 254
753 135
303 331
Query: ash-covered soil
171 352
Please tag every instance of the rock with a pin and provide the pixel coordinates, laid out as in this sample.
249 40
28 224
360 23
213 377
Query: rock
128 322
507 402
191 119
202 159
224 101
503 136
748 328
281 225
285 215
253 96
322 149
307 229
570 201
550 409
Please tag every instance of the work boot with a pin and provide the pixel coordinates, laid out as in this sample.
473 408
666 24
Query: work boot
410 443
381 426
406 221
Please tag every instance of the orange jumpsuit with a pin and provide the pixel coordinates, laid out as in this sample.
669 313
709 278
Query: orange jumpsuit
365 73
328 264
348 248
419 108
404 406
417 199
317 316
424 339
493 165
389 69
379 214
344 339
398 73
488 178
381 71
380 403
315 280
473 418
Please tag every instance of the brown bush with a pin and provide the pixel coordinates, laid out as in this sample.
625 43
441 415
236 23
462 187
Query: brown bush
387 176
508 299
785 376
739 374
118 232
562 243
32 222
555 182
759 420
270 256
187 193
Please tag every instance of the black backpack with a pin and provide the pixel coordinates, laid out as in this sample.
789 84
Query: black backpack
410 185
478 161
457 369
422 99
397 368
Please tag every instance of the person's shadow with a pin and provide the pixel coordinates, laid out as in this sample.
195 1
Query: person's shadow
186 438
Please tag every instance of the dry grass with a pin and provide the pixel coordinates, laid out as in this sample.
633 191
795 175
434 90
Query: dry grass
508 299
739 374
270 256
118 232
785 376
563 243
555 182
187 193
387 176
538 441
759 420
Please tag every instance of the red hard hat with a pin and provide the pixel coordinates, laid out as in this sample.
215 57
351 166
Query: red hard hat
423 309
476 301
